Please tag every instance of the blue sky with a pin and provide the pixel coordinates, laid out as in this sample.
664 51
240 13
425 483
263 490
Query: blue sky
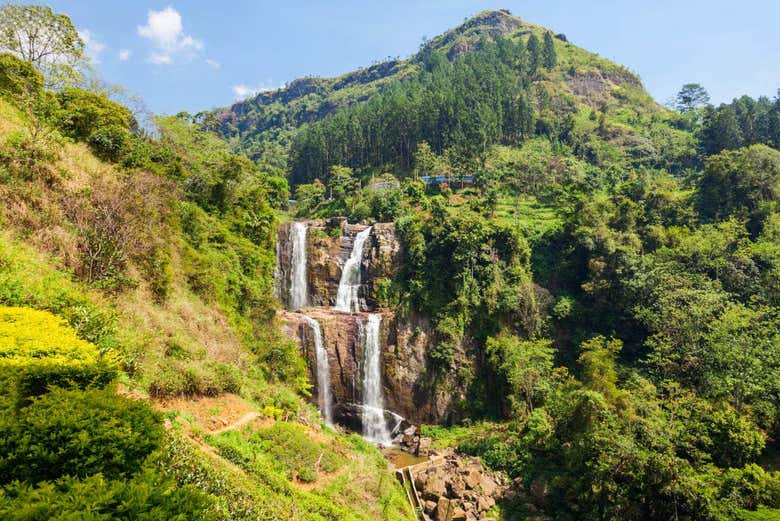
201 54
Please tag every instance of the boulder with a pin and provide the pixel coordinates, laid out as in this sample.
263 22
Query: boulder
473 479
443 510
457 487
434 488
487 485
424 447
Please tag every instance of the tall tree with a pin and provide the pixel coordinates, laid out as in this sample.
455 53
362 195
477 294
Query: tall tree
534 54
691 97
46 39
549 56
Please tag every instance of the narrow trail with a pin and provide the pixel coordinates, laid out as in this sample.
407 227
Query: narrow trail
245 419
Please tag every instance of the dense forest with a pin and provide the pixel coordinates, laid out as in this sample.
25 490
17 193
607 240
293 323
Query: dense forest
601 273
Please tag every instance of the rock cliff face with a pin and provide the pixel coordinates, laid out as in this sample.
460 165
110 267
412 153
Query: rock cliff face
405 337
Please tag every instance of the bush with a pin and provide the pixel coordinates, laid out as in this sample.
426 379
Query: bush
18 77
38 350
190 379
146 496
77 433
85 112
110 143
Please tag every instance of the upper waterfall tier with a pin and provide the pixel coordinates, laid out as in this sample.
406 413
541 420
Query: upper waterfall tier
347 297
299 286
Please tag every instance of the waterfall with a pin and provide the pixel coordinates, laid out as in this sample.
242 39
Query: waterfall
347 296
374 423
299 290
324 399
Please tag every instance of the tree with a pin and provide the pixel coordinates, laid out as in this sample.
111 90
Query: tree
523 365
549 56
720 130
741 183
48 40
534 54
691 97
598 366
424 160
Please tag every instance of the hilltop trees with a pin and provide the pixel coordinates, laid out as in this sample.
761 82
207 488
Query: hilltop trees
743 122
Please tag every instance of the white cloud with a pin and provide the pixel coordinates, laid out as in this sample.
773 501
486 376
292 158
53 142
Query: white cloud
214 64
92 47
123 55
242 91
165 30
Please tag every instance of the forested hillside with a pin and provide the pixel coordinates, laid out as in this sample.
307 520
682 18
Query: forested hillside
595 279
601 271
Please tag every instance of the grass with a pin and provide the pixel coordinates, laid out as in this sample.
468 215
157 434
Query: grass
533 217
319 473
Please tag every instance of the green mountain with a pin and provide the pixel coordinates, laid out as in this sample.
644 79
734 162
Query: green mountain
578 84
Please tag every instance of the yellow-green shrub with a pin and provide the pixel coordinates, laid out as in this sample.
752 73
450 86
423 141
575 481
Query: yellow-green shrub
39 350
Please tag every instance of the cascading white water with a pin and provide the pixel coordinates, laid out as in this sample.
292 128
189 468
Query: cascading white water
373 415
324 399
299 287
347 296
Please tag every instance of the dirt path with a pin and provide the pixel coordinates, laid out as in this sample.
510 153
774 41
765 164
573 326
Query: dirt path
245 419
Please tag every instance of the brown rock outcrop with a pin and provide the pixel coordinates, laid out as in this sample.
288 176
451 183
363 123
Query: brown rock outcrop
457 487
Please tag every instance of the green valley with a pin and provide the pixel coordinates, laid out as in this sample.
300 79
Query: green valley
495 280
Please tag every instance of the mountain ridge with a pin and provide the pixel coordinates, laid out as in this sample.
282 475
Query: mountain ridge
275 115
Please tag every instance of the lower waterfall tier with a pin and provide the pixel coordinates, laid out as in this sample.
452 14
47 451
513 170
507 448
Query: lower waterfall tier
408 389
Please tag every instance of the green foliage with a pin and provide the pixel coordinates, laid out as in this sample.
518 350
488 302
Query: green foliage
598 366
18 78
38 350
741 123
549 55
110 143
289 450
691 97
744 184
524 367
84 113
144 496
46 39
77 433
